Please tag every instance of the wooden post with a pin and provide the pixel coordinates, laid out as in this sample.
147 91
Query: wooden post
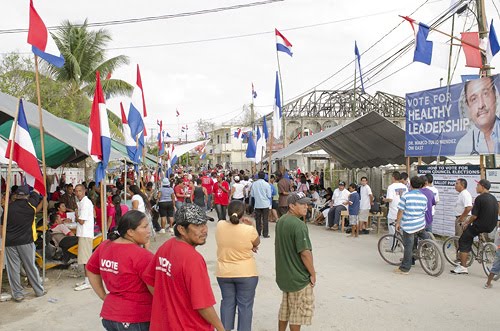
408 166
419 160
481 166
7 195
44 170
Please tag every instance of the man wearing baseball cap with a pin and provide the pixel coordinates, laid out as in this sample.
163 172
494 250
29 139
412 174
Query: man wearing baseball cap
484 219
295 273
183 297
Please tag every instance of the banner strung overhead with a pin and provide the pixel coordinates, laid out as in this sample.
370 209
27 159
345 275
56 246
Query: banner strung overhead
460 119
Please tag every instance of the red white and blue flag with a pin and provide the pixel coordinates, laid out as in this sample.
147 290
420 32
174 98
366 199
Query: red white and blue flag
137 111
277 109
177 113
41 41
24 151
130 142
282 44
238 134
99 139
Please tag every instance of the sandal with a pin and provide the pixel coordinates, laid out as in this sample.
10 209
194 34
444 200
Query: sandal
486 286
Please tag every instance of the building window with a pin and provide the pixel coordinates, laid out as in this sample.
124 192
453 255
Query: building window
218 139
227 137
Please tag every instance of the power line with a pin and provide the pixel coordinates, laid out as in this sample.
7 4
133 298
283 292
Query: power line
252 34
157 18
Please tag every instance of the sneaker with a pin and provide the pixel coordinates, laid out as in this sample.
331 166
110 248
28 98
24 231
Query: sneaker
459 270
400 272
85 286
80 284
171 230
161 231
18 299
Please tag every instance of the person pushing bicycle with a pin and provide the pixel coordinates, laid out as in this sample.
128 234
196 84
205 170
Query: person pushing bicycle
483 219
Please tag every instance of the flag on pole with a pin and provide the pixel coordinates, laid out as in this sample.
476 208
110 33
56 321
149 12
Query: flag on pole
254 94
260 147
238 134
358 65
282 44
99 139
137 111
130 143
472 53
251 148
41 41
264 128
160 137
24 152
428 51
177 113
277 110
493 45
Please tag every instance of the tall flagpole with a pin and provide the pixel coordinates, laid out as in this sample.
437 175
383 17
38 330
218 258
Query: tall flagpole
281 92
44 170
7 197
354 90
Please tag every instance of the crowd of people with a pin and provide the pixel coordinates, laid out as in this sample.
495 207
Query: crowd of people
171 289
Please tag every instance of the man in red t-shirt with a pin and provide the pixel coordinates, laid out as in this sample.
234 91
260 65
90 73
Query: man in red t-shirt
208 184
221 197
183 297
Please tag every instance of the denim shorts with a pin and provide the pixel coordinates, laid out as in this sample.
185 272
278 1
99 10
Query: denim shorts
495 269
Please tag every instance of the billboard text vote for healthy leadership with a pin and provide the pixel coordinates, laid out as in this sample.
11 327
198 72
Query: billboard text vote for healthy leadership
460 119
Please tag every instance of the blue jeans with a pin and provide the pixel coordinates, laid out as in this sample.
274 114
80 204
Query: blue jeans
119 326
238 291
409 244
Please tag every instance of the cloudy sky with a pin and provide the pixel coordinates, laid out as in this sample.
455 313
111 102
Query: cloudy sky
212 80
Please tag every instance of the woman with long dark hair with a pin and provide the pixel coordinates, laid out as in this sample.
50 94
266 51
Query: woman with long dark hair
141 203
237 240
119 264
115 210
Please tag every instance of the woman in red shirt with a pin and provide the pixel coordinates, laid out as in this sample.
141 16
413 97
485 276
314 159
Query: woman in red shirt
120 264
221 197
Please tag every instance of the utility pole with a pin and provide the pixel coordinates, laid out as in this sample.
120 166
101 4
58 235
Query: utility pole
485 70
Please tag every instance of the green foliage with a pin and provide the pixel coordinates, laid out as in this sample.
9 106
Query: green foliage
66 92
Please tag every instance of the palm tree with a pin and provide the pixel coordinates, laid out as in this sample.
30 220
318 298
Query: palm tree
84 52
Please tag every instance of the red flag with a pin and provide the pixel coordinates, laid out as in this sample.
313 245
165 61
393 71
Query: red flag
472 53
139 83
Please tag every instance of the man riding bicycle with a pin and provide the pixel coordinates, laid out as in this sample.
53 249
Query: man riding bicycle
483 219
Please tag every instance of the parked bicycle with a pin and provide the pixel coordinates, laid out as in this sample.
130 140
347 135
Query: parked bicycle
428 252
482 251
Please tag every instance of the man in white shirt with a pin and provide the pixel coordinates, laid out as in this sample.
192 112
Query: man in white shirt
434 190
339 202
463 205
365 193
394 193
84 232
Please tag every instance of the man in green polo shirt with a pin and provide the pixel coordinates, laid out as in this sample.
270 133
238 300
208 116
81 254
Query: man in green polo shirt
295 273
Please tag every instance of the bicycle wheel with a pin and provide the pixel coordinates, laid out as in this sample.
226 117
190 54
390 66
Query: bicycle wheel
488 256
450 252
391 249
430 257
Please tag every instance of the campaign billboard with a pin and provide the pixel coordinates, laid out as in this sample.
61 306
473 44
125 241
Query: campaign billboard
460 119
